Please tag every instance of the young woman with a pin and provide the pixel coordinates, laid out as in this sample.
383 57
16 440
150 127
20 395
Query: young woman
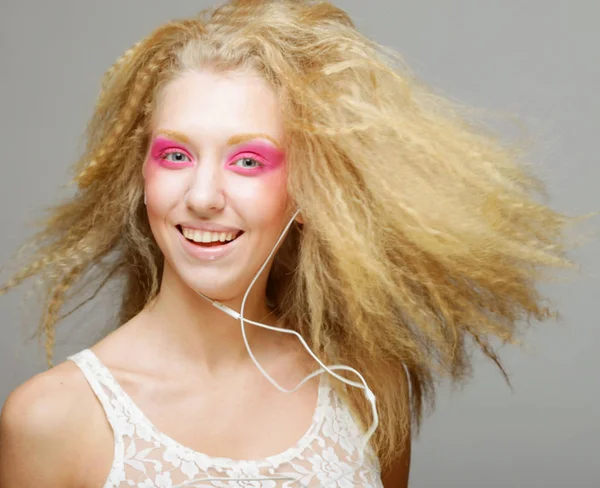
278 195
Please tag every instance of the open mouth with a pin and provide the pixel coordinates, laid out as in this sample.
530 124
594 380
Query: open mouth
216 243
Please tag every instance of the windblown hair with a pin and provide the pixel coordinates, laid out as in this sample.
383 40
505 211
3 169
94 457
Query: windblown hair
421 233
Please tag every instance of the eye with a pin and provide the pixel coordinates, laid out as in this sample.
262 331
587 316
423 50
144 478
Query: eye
178 157
247 163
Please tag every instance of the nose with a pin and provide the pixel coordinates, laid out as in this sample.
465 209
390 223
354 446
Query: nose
206 193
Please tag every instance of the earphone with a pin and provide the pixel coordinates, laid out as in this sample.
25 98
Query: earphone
323 369
329 369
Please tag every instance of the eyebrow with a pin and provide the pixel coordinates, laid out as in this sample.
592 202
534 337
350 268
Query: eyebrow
232 141
175 135
239 138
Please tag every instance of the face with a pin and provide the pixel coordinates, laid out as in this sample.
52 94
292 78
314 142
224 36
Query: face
215 171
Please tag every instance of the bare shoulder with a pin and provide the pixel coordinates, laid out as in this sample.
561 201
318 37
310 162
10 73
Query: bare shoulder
40 425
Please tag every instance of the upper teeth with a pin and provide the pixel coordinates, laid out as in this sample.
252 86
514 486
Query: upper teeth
201 236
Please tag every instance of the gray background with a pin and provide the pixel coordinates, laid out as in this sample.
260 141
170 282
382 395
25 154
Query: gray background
538 59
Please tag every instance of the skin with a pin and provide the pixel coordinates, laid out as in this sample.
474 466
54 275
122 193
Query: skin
214 157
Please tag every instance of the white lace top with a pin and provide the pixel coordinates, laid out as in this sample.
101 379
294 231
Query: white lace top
327 455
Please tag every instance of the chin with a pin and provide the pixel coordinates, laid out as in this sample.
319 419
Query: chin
222 292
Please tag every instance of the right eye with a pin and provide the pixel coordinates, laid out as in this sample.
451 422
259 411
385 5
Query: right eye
177 157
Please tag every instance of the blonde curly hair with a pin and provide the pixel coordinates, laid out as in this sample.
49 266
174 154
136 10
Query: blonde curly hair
421 233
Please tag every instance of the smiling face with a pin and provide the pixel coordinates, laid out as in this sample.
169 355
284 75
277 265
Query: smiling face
215 163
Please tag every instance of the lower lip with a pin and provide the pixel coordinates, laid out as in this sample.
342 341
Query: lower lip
208 253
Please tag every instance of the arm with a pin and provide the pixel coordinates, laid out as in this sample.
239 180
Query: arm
396 475
35 449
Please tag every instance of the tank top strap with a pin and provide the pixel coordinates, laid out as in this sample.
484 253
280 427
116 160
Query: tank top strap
101 383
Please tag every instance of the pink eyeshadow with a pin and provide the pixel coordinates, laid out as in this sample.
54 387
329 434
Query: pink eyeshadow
268 155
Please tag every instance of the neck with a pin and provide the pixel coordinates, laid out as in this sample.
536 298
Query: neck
190 330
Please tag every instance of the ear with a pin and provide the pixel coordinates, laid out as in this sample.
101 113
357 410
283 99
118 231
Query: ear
299 218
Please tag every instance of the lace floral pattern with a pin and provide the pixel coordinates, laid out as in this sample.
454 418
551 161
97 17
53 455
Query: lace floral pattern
328 455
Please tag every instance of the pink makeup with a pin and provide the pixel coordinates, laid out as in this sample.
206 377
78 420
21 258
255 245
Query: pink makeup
162 147
269 157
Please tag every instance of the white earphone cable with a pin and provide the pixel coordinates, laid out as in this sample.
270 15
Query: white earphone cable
329 369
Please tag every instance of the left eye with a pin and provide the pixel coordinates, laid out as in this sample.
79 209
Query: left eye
247 163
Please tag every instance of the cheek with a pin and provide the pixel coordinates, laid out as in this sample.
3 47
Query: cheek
262 199
162 188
